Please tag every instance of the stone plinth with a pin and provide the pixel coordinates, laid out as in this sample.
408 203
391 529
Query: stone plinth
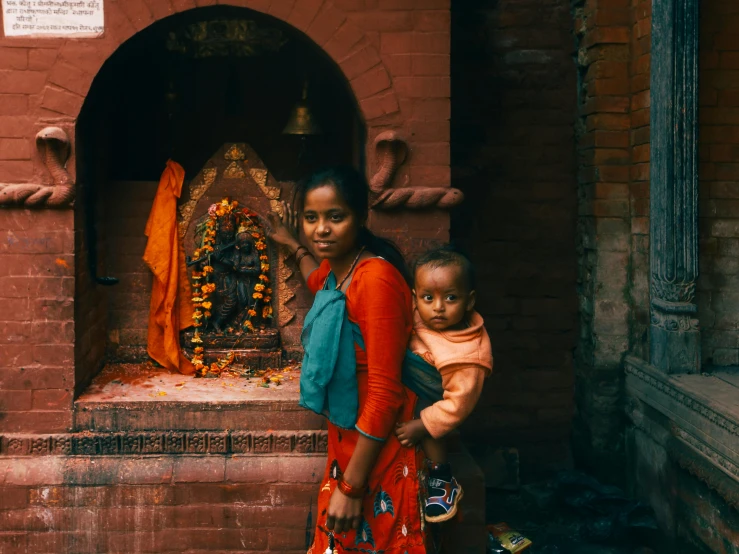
160 462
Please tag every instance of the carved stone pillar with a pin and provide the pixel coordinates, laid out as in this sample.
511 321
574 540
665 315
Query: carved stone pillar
674 337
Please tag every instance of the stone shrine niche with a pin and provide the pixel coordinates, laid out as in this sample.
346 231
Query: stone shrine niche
245 314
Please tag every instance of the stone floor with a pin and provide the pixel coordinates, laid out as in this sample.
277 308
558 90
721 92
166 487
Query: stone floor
556 531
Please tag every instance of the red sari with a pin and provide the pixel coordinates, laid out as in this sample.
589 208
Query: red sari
379 301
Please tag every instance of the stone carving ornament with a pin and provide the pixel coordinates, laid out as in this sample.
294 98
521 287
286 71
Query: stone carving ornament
54 147
392 152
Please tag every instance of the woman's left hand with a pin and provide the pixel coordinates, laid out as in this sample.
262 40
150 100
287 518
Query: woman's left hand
344 513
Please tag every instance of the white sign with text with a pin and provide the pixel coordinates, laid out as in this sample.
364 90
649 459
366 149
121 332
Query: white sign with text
53 18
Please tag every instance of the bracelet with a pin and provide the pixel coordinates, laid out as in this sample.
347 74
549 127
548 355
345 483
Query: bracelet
303 255
298 249
347 490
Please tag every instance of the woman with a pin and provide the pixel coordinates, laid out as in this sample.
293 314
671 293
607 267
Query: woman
369 495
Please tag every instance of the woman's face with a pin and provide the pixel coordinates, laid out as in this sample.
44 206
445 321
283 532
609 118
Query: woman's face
329 223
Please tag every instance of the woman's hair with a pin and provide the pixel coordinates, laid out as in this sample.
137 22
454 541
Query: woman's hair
352 187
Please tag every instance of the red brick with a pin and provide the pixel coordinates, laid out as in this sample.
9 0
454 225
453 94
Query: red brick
727 41
13 498
391 21
21 82
86 56
639 118
303 13
615 174
13 58
62 101
429 131
607 35
371 82
430 64
604 17
13 104
14 543
430 109
431 20
286 539
199 470
37 421
381 104
396 43
53 354
430 176
16 171
640 172
414 4
301 469
604 69
605 104
159 10
708 97
423 87
431 153
15 149
430 43
640 153
398 64
325 25
253 494
70 77
608 87
610 139
728 97
639 83
608 122
183 5
15 401
611 190
252 469
281 10
341 44
52 399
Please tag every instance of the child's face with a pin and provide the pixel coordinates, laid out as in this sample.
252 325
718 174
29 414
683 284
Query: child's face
441 297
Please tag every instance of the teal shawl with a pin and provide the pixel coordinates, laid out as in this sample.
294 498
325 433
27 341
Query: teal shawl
328 378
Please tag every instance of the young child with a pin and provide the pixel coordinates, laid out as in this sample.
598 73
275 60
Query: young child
449 335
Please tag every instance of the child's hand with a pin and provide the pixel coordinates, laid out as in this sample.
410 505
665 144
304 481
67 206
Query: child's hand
411 432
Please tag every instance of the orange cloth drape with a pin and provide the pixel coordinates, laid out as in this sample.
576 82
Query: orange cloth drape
170 309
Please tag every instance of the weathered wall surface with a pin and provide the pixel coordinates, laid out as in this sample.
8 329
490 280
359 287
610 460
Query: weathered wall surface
718 285
513 155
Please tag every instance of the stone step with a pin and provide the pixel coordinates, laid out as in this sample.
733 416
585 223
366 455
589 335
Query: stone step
137 397
195 503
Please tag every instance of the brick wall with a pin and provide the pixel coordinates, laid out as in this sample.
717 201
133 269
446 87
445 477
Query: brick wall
128 205
394 57
513 155
639 186
718 285
607 115
37 271
158 504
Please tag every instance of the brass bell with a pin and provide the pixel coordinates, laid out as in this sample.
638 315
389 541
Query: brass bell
301 120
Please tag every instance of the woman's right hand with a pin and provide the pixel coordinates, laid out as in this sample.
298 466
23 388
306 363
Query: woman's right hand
283 228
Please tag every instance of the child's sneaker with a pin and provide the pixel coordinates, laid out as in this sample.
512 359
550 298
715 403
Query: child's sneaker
443 497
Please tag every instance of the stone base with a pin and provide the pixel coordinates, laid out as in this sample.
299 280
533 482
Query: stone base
210 465
682 448
252 359
266 339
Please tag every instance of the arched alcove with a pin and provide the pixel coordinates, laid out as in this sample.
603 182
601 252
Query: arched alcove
180 89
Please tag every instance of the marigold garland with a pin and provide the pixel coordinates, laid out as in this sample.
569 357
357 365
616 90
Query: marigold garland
203 287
